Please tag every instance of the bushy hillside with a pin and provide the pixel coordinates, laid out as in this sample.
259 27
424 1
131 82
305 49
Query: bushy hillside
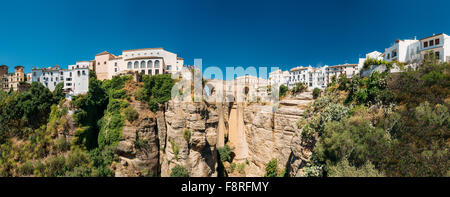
383 125
42 134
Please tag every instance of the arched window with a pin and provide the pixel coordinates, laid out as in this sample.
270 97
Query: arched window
156 63
143 64
136 64
129 65
149 64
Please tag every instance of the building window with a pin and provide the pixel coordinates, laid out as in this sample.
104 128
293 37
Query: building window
143 72
115 64
431 43
143 64
169 67
104 62
129 65
115 69
156 63
136 64
83 72
425 44
150 72
437 54
389 56
149 64
437 41
156 71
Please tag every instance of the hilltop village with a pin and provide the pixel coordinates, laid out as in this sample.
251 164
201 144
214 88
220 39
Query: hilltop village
139 114
155 61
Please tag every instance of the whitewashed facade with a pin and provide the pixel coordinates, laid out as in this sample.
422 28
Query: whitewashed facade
438 44
75 78
406 51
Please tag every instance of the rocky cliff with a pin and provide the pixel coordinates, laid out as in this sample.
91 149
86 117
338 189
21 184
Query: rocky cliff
187 134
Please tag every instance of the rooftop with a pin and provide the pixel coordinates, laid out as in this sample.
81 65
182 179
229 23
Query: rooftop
434 35
160 48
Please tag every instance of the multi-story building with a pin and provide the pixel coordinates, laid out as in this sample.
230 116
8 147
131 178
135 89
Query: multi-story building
348 70
317 78
12 80
405 51
438 44
278 77
150 61
75 78
298 75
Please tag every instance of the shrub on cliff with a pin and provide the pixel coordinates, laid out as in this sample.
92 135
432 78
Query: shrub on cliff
179 171
272 168
225 153
316 93
299 88
131 114
283 90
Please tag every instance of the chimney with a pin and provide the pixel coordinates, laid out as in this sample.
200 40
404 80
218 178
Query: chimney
415 37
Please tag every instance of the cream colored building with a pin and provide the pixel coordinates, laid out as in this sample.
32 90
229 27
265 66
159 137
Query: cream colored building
11 80
149 61
347 70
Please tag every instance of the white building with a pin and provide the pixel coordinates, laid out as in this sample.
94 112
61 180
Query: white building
298 75
149 61
278 77
310 76
374 55
438 44
405 51
348 70
75 78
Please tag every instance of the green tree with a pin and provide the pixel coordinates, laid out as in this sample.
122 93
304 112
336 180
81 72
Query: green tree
58 93
316 93
283 90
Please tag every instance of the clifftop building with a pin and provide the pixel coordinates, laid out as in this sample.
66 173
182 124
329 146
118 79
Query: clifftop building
11 80
149 61
75 78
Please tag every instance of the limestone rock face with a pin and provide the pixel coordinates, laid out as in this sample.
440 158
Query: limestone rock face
138 149
191 136
272 132
189 133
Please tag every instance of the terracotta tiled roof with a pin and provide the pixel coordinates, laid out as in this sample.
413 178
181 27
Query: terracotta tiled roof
343 65
180 58
299 68
103 53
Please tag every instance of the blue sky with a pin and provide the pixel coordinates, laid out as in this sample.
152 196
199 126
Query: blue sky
223 33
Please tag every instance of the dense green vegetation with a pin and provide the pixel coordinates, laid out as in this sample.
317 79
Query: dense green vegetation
283 90
382 125
179 171
31 144
272 168
225 153
156 90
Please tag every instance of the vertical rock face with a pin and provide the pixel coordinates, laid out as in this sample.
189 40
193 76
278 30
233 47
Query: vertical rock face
138 148
270 132
191 130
